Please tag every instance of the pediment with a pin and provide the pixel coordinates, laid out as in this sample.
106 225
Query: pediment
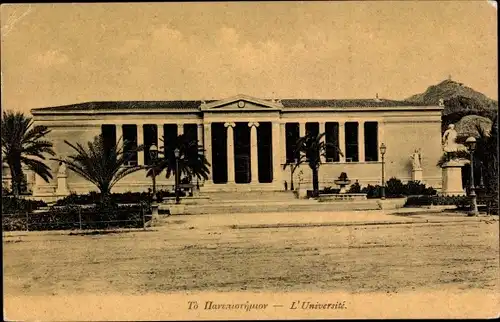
242 103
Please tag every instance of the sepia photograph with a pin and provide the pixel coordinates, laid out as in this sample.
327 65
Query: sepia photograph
249 160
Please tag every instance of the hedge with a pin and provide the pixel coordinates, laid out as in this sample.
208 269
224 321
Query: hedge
76 217
11 204
121 198
461 202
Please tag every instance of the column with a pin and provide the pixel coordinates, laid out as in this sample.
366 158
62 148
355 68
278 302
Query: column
342 144
160 132
283 143
207 145
140 141
254 158
277 151
361 141
180 129
230 151
119 134
323 139
302 129
199 134
381 137
302 133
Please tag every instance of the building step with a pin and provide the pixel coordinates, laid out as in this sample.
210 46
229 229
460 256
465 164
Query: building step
249 195
265 207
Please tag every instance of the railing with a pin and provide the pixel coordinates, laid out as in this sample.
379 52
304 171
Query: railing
73 218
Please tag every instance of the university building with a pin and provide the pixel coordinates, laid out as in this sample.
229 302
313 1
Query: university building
247 140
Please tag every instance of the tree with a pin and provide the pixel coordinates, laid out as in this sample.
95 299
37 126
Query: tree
487 155
102 165
192 161
309 149
24 144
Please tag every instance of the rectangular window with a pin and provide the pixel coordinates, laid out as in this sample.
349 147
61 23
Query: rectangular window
371 141
332 137
150 138
191 132
312 128
351 137
292 135
108 132
170 132
130 142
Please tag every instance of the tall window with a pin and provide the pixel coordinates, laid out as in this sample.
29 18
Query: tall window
292 135
371 141
150 138
191 131
332 137
312 128
351 138
109 136
130 142
170 132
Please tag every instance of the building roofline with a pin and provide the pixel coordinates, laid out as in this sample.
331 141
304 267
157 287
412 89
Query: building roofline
197 106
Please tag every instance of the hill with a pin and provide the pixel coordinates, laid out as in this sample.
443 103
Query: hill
457 98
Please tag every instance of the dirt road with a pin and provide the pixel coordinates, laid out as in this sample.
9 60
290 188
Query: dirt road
319 259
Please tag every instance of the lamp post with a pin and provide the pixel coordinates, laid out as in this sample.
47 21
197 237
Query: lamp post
471 146
153 152
176 154
383 149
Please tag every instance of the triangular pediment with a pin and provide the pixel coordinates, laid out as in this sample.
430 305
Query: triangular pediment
242 103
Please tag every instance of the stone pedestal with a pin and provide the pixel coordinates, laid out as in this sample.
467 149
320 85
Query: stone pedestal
62 185
452 178
154 211
417 175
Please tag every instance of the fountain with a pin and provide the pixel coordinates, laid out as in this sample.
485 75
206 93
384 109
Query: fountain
342 181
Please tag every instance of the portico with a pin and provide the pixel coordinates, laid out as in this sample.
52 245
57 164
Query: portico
245 138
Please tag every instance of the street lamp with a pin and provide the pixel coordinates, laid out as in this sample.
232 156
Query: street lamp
176 154
383 149
153 152
471 146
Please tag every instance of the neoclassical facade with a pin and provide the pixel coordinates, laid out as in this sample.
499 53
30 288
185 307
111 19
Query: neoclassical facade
248 140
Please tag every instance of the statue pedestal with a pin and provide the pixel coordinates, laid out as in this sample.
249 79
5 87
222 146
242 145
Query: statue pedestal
417 175
452 178
62 186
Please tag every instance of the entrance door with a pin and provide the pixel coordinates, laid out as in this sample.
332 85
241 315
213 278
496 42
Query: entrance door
242 170
242 151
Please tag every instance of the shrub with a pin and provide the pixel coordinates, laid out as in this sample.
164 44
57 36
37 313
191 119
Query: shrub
371 191
329 190
355 187
461 202
395 188
68 217
11 204
118 198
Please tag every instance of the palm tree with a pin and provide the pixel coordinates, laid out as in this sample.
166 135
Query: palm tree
192 161
100 164
310 148
24 144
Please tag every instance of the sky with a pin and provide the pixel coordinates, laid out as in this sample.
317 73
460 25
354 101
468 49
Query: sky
57 54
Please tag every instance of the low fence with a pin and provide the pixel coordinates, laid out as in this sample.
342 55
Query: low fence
77 218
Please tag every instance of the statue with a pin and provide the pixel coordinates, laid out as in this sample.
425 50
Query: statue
441 102
416 160
449 139
62 169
